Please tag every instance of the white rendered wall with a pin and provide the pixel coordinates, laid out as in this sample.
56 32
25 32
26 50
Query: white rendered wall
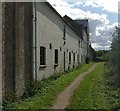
50 30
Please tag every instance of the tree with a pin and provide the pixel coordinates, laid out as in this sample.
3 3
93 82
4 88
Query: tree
102 55
115 54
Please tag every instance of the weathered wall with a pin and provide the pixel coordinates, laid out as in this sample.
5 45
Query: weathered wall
0 55
17 46
8 48
28 24
72 46
50 30
23 46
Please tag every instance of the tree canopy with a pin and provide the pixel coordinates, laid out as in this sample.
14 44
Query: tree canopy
114 56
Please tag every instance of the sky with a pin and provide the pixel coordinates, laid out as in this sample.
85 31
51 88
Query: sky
102 16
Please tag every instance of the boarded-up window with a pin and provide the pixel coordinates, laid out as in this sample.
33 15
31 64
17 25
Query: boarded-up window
56 56
42 55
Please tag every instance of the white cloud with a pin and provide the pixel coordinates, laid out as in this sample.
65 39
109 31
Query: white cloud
64 8
99 23
107 27
105 30
110 6
103 38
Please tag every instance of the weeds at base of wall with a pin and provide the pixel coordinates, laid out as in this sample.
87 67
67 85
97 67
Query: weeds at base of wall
114 78
34 87
9 97
44 98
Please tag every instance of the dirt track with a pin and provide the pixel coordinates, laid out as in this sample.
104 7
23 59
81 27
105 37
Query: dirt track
63 98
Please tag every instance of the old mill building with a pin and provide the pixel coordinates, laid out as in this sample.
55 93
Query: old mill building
36 42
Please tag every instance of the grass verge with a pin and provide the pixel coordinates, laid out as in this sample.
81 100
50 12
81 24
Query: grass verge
94 93
48 91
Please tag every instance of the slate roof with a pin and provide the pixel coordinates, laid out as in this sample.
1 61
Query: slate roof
77 27
84 22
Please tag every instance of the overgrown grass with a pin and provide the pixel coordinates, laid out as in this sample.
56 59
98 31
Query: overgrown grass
48 89
94 93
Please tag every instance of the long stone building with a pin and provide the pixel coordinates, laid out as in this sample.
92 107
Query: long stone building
61 45
36 42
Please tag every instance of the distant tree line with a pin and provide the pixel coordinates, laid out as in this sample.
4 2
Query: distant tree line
102 55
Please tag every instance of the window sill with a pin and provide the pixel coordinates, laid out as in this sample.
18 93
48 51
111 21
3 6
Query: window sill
42 66
64 38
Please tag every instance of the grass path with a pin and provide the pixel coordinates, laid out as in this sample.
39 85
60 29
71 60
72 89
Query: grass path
63 98
47 93
93 92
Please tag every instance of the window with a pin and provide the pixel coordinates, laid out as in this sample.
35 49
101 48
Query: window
42 55
50 46
67 50
56 56
64 33
60 48
73 57
79 43
69 57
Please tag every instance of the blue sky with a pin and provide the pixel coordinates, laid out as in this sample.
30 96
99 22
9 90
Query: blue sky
113 17
102 16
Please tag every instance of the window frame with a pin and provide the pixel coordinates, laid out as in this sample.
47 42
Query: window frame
69 57
42 56
64 33
56 52
74 57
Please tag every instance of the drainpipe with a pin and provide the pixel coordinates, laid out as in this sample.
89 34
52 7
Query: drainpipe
34 42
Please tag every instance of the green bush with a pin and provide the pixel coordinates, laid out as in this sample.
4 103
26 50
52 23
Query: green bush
34 87
9 97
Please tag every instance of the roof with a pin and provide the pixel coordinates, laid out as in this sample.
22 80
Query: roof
84 22
78 28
